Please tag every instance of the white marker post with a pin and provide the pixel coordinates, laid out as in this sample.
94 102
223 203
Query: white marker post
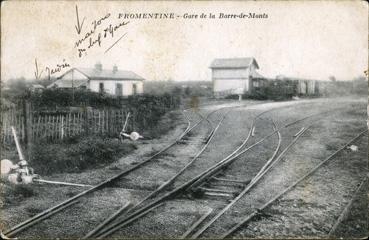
20 154
134 136
239 91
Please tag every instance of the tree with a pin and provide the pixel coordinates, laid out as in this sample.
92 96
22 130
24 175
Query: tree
332 78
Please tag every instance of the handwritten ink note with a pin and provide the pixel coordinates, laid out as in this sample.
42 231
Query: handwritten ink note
50 70
100 32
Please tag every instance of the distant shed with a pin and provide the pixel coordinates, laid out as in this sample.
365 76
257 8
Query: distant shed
233 75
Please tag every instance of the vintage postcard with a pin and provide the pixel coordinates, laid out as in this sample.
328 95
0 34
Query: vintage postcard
184 119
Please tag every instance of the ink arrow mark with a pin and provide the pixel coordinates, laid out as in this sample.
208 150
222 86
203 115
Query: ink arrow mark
79 26
37 74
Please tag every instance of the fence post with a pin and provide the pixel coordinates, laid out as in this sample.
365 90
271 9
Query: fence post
86 121
62 127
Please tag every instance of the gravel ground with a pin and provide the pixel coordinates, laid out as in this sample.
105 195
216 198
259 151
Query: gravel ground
311 212
235 129
132 188
354 225
308 211
326 135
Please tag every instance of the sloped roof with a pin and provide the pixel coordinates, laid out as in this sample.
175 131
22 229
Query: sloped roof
37 86
104 74
62 83
233 63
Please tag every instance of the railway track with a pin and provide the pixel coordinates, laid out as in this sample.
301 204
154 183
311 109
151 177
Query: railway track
156 198
73 200
151 195
218 185
165 194
247 185
195 181
259 211
217 217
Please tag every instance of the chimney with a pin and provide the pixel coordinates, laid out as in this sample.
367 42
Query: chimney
98 66
115 69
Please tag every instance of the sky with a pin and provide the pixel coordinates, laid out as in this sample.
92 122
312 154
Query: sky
306 39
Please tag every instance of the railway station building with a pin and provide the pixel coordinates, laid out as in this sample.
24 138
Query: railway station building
112 81
234 75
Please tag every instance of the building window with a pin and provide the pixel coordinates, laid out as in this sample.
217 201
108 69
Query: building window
255 83
118 89
134 87
101 87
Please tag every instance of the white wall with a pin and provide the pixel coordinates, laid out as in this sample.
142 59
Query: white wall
110 85
230 73
230 79
220 85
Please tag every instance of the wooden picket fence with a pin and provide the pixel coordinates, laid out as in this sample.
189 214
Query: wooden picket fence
58 126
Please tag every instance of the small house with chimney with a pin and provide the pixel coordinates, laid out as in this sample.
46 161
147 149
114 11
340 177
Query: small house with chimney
112 81
234 75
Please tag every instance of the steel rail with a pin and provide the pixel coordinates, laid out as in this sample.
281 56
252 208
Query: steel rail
108 220
197 223
168 182
186 185
346 209
39 219
209 138
116 226
267 166
252 127
172 179
210 123
227 161
273 156
257 211
50 211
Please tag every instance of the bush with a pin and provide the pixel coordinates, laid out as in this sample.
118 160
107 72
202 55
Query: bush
53 98
59 98
77 154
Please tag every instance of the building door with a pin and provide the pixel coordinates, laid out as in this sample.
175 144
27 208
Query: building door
134 89
118 89
101 87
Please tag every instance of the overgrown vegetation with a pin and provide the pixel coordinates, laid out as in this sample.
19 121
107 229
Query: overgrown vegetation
12 193
59 98
166 123
180 88
77 154
152 116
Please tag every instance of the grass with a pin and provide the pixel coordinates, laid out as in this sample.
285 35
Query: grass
78 154
15 193
168 122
